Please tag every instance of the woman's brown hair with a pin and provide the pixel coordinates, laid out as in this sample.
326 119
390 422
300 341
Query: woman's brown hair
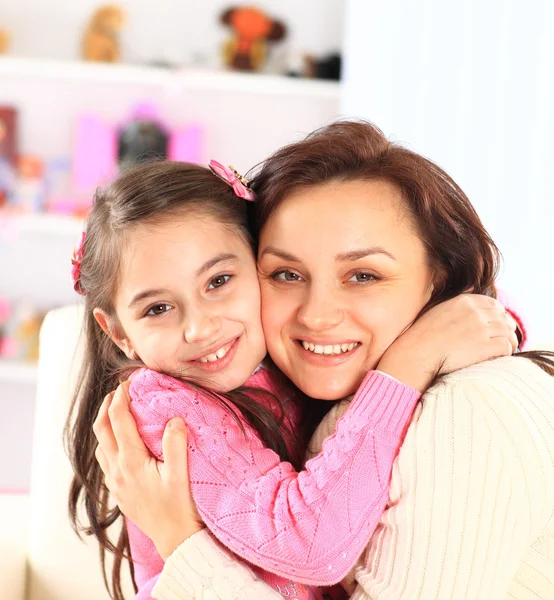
149 193
459 248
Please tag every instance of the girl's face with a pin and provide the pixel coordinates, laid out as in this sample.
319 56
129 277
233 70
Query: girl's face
188 302
342 273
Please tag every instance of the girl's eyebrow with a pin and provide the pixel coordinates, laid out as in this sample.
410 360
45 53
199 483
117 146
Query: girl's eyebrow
147 294
222 257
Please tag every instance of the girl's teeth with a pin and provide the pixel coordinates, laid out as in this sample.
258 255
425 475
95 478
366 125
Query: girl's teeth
217 355
331 349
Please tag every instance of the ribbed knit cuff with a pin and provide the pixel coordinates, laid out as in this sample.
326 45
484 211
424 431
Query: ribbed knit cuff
387 402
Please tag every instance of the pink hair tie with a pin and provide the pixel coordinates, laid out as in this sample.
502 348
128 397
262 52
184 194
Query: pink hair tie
76 265
236 181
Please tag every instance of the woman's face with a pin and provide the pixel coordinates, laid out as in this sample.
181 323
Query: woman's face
343 273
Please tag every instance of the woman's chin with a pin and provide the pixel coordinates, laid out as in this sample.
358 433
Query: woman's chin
329 391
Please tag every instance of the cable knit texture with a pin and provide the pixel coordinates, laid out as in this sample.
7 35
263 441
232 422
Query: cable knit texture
471 505
309 527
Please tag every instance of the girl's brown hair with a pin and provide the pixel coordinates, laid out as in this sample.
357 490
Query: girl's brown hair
149 193
459 248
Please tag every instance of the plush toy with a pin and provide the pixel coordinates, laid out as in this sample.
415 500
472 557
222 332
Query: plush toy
252 29
4 41
101 39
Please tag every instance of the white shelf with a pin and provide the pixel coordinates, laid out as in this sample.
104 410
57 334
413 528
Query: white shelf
175 80
45 223
18 372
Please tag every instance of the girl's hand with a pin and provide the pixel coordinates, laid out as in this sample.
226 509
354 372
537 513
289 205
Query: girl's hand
154 495
455 334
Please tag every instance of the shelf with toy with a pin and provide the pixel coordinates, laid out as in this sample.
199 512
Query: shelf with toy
174 80
13 371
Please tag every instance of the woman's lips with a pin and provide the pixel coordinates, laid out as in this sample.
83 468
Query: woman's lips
326 354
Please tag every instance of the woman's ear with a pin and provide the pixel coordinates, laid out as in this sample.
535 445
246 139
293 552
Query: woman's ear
114 332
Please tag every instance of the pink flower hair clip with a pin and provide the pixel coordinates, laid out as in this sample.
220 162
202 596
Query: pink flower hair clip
76 265
236 181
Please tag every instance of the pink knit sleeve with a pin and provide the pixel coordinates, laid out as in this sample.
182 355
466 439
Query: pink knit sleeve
309 526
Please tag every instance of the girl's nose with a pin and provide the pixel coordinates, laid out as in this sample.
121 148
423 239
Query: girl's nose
200 327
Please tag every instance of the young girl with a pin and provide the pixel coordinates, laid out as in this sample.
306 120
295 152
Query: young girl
170 281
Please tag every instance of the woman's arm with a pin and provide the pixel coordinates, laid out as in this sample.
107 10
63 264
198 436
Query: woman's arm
201 569
472 488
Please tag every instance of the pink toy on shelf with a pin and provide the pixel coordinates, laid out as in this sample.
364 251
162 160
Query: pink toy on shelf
101 148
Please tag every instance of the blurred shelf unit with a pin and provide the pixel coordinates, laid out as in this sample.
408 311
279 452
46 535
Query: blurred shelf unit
174 80
12 371
41 223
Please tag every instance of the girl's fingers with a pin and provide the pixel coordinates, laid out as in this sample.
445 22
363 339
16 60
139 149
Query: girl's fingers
174 448
102 428
131 448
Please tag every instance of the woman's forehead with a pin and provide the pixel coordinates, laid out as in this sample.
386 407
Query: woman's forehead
344 208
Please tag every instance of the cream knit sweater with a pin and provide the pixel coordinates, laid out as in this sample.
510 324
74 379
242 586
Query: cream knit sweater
471 503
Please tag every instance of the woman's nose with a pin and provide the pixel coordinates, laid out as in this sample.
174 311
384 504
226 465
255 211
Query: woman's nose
320 311
200 326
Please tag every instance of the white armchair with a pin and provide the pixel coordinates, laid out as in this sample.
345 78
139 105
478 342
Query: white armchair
59 565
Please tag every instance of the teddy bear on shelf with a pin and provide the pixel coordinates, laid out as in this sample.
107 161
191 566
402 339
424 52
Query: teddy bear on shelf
101 39
252 30
4 41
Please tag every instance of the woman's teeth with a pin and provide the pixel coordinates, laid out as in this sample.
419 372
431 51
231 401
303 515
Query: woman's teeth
334 349
216 355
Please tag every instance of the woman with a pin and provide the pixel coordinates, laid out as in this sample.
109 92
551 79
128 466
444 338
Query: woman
467 518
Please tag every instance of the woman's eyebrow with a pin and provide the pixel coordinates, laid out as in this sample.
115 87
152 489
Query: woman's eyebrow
357 254
279 253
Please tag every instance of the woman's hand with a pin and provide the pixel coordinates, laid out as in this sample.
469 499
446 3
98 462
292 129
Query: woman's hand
457 333
154 495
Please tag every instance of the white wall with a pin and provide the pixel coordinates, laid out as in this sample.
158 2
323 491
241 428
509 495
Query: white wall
174 30
470 84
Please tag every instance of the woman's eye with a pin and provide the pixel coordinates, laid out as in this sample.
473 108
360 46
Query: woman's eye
286 276
362 277
218 281
158 309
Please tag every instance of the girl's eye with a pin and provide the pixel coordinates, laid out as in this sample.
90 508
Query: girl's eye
218 281
362 278
158 309
286 276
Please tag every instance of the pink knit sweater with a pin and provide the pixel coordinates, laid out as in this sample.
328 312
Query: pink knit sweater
309 527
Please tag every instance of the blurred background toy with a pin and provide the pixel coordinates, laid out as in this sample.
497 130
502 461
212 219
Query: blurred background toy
102 148
101 38
20 331
4 41
252 29
307 65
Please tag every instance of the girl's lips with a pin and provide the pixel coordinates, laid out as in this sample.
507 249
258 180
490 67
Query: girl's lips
324 360
220 363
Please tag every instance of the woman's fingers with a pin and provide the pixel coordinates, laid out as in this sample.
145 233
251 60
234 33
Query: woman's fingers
105 466
174 448
131 447
102 428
